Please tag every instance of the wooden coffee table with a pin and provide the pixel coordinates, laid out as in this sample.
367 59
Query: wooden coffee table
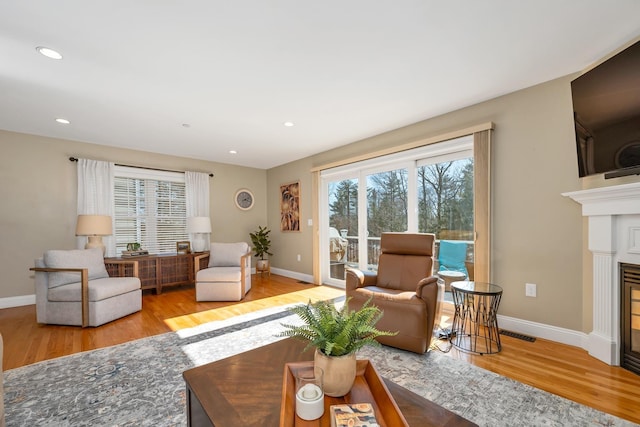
246 390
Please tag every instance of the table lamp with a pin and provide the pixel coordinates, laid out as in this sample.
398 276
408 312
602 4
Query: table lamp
94 226
197 225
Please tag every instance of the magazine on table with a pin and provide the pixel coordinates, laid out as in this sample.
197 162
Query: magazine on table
353 415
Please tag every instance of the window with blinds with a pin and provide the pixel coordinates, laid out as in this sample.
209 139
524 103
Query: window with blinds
150 209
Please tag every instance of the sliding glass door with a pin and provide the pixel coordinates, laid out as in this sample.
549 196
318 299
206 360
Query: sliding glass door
445 197
342 245
429 189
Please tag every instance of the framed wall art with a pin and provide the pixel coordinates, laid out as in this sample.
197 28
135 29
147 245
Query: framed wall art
183 247
290 207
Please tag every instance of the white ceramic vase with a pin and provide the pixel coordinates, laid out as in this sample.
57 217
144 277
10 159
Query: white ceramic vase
339 372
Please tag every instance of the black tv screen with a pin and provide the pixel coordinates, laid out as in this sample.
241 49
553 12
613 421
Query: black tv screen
606 108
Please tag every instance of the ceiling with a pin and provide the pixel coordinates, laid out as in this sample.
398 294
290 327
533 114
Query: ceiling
199 78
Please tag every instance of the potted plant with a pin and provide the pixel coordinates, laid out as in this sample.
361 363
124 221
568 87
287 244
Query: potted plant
261 245
336 335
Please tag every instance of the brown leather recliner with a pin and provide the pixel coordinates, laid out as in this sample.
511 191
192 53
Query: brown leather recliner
404 288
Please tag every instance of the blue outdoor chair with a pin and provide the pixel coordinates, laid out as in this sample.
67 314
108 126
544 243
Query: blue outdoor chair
452 255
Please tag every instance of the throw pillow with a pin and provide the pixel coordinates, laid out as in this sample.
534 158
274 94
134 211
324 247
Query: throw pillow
91 259
227 254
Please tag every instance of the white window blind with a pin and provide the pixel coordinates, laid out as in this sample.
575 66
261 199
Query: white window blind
150 209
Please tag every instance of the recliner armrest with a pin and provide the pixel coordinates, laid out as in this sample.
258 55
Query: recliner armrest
424 291
358 279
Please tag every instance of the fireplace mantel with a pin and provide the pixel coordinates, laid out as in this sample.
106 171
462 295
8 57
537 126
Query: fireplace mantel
614 237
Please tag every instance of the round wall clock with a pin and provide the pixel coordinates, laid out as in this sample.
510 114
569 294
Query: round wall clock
244 199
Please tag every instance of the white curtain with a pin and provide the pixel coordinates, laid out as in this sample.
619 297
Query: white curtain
95 196
197 199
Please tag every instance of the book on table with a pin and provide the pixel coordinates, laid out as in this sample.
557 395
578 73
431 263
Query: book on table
353 415
141 252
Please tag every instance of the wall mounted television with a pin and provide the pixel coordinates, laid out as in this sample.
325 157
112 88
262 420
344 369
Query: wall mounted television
606 111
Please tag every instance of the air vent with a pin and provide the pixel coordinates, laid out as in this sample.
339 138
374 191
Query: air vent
517 335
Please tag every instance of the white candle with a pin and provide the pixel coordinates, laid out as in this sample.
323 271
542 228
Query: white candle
310 402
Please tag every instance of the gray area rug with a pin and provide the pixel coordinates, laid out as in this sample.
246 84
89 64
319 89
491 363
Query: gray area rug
140 383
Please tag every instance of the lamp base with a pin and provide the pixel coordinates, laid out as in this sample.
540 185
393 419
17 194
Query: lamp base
198 243
95 242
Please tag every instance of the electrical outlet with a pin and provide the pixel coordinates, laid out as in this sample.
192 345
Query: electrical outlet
530 290
299 257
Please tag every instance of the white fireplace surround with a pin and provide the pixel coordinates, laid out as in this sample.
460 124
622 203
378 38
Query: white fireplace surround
614 238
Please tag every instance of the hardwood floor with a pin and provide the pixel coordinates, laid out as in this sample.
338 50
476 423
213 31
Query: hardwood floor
560 369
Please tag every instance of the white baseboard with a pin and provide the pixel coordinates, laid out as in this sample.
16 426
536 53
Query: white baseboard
17 301
540 330
293 275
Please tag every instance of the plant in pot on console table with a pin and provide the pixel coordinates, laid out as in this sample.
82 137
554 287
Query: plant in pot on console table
261 246
336 335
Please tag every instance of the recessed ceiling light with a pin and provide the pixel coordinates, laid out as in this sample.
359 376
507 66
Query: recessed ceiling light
63 121
288 124
233 152
48 52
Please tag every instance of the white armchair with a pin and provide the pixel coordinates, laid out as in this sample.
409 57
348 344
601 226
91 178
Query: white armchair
228 275
74 288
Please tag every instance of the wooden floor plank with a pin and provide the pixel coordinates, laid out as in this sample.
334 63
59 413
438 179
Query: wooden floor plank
557 368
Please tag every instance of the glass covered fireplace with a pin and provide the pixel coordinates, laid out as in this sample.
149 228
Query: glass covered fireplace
614 239
630 313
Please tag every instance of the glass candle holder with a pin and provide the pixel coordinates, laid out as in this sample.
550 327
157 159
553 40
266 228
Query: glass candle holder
309 393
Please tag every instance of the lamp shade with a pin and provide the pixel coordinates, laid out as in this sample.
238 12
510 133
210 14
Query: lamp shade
198 224
94 225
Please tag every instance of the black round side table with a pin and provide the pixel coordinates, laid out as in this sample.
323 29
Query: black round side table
475 323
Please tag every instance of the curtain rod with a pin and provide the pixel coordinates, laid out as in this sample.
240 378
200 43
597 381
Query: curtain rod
75 159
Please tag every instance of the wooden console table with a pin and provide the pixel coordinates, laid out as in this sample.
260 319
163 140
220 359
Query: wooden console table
158 271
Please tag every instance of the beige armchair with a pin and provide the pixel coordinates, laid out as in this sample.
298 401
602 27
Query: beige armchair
74 288
404 288
228 275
